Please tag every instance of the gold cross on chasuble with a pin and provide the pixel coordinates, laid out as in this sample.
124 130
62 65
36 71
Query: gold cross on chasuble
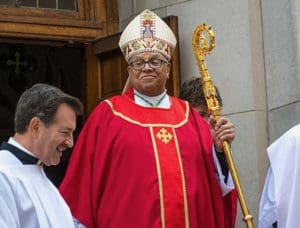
164 135
171 181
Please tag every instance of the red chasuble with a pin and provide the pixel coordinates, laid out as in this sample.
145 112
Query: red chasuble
143 167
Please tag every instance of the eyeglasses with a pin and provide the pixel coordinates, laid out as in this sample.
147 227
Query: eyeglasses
153 63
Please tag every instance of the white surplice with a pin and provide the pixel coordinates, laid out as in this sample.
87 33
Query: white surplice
280 198
28 199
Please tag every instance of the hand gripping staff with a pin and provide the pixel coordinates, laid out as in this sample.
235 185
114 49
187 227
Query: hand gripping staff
201 49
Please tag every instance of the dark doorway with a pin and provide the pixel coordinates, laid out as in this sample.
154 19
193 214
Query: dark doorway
21 66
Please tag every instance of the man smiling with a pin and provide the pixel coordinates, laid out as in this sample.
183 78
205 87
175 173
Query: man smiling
45 119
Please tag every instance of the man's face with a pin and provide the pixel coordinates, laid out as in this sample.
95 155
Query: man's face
53 139
149 80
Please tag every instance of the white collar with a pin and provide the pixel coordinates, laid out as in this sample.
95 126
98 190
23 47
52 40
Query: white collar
18 145
165 103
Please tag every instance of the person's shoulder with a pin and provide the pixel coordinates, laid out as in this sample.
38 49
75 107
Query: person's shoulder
103 104
293 132
106 107
7 159
116 98
179 103
179 100
288 139
7 181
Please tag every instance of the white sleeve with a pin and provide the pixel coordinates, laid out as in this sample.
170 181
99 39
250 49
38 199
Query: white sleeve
267 207
225 187
6 218
8 213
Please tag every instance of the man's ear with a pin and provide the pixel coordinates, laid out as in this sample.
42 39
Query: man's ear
128 68
34 126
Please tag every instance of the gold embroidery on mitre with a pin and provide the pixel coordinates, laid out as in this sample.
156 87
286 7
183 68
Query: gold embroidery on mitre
164 135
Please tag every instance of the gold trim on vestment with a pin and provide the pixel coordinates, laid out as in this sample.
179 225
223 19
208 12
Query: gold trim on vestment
184 121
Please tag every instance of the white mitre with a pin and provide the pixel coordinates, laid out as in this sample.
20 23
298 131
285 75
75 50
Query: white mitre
147 32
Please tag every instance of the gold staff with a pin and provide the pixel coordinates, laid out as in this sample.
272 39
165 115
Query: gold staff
201 49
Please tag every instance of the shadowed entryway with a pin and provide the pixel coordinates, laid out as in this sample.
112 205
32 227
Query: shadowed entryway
22 65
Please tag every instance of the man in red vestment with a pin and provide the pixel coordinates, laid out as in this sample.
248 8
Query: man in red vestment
144 158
